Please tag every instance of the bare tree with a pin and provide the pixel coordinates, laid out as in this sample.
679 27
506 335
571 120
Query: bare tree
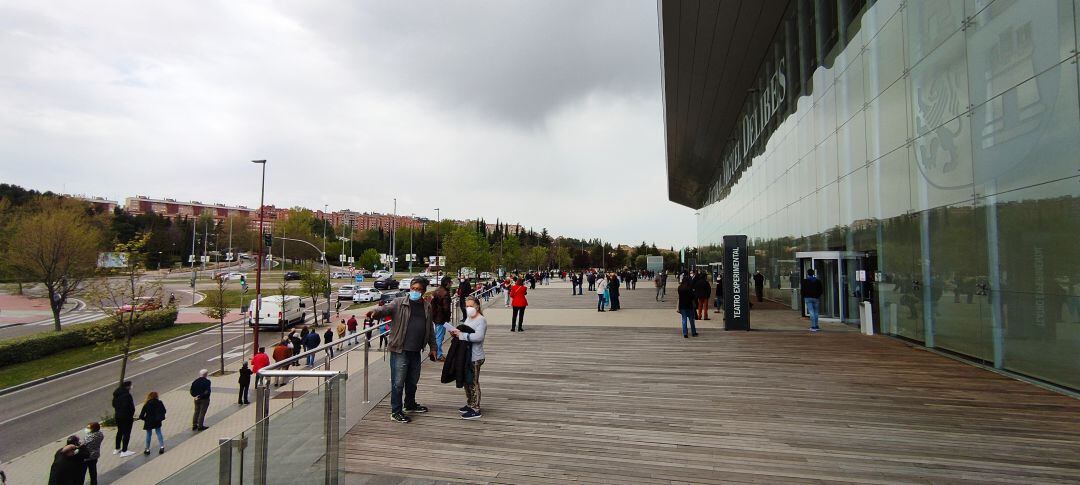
127 297
218 309
314 284
57 246
283 290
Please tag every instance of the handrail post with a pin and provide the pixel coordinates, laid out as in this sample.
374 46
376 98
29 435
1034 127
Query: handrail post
262 430
367 348
331 427
225 447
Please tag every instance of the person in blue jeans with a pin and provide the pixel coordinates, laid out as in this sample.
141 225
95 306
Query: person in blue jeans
812 289
687 306
410 330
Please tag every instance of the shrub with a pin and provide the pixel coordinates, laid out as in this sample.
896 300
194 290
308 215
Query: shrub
32 347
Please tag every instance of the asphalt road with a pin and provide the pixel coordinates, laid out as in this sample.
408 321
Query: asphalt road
53 410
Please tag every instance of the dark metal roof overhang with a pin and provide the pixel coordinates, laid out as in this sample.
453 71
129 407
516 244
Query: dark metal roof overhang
711 54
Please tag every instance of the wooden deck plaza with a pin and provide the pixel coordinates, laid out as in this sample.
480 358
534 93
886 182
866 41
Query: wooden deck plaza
586 403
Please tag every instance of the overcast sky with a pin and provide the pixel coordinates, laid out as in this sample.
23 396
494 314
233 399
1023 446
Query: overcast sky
545 112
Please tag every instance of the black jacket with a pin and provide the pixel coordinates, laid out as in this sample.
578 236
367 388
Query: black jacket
152 414
811 288
67 470
123 405
440 305
686 298
702 289
245 376
200 388
458 363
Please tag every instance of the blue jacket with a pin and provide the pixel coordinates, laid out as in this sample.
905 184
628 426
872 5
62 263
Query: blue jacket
311 341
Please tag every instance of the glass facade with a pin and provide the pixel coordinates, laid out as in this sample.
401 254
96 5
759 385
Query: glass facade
941 142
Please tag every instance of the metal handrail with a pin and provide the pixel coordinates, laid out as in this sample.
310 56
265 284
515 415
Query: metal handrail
322 347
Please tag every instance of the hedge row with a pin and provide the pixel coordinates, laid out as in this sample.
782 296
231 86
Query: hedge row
32 347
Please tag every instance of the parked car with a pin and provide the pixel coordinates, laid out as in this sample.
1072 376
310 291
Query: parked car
386 283
291 275
340 274
366 273
142 304
345 292
388 296
361 295
235 276
382 273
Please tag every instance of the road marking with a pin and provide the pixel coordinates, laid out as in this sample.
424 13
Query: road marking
72 398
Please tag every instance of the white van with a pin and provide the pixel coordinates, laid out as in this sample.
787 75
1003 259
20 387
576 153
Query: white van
277 312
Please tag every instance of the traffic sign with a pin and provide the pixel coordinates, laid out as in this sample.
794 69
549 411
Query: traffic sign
191 258
359 278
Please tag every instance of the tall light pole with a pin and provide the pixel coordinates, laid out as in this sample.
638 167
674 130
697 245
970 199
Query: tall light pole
438 222
393 239
258 267
194 231
325 262
411 230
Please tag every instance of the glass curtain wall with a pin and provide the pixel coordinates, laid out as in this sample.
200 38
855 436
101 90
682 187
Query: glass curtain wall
944 140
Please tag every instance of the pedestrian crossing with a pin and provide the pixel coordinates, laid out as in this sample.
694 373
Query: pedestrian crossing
73 317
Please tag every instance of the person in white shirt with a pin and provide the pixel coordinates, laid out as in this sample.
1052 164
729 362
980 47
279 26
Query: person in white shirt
476 321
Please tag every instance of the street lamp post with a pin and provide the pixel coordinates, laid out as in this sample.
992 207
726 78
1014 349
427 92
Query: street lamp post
438 222
326 263
194 275
393 239
258 267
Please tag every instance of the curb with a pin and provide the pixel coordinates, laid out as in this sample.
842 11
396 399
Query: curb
42 380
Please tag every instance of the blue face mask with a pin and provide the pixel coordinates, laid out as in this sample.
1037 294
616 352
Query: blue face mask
414 295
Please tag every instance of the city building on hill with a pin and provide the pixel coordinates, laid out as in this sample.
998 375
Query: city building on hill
99 204
174 209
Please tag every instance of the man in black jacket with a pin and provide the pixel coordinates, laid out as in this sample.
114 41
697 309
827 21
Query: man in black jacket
440 313
200 390
811 293
124 414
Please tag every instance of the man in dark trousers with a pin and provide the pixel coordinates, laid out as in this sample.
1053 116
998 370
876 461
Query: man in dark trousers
200 390
410 330
811 293
592 281
759 285
124 413
441 307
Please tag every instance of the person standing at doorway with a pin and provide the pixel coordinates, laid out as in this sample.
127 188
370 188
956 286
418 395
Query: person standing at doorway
811 294
759 286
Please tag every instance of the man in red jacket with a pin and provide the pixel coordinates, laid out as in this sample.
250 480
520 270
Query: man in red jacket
258 361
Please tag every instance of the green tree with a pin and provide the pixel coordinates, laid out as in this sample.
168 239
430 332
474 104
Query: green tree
369 258
462 249
126 298
511 252
55 245
562 258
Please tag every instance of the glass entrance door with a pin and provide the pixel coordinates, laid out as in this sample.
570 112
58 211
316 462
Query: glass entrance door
838 272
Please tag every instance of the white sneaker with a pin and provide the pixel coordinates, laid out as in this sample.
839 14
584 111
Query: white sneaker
127 454
116 452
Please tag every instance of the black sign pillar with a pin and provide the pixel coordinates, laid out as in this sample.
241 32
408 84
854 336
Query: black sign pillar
736 287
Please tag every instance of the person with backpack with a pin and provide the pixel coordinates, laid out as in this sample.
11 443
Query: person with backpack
152 416
124 414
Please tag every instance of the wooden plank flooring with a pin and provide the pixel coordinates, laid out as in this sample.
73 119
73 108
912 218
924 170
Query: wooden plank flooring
644 405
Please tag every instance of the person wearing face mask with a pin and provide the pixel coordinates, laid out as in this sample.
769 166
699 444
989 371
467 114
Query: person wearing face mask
92 446
411 328
475 320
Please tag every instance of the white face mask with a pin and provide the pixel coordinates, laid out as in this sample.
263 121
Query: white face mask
470 311
87 430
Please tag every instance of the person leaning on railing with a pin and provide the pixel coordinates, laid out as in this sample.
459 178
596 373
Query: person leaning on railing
410 331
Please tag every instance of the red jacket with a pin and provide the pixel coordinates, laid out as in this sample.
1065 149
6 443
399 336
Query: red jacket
517 296
259 361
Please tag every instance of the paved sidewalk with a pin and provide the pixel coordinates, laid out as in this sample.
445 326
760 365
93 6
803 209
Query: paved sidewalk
225 418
